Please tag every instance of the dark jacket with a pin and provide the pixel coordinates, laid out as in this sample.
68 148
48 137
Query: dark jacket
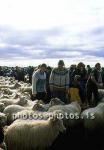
1 135
96 75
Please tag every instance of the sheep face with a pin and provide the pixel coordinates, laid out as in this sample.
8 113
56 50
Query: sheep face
57 124
38 107
56 101
22 101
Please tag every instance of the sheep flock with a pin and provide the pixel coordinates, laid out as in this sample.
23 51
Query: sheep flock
33 125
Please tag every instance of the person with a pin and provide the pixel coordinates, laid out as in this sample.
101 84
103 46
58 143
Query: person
88 69
48 72
59 81
39 83
1 71
1 137
71 73
81 71
74 91
94 82
30 72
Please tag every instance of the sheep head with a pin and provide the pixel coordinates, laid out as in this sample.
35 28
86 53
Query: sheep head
57 124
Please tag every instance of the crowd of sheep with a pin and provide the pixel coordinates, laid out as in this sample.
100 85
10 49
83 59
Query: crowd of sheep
33 125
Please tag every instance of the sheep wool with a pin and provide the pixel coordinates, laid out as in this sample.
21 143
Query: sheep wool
39 134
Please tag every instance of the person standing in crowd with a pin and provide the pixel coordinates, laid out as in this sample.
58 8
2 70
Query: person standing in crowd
94 82
71 72
75 90
1 137
1 71
30 72
48 72
17 73
88 69
81 71
59 81
39 83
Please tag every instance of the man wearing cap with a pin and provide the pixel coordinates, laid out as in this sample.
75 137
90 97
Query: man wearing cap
59 81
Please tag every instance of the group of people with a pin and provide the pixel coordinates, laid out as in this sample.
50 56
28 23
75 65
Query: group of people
19 73
79 83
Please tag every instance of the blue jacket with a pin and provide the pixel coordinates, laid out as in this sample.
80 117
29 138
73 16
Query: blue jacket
38 82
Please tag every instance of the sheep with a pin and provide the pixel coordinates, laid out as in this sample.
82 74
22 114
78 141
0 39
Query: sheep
56 101
7 91
4 96
20 101
7 102
39 107
39 134
102 100
73 106
101 93
13 111
53 102
1 107
3 119
36 109
15 86
26 89
93 118
10 110
70 113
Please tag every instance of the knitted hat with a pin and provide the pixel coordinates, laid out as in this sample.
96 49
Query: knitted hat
61 62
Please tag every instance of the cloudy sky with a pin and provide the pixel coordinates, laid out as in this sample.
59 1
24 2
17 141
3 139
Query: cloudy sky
37 31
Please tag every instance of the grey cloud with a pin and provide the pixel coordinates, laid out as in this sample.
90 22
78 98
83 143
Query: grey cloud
37 40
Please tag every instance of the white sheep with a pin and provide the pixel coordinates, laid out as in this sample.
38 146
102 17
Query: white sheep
33 115
70 113
30 134
20 101
53 102
11 110
3 96
101 93
15 111
26 89
15 86
72 106
93 118
56 101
